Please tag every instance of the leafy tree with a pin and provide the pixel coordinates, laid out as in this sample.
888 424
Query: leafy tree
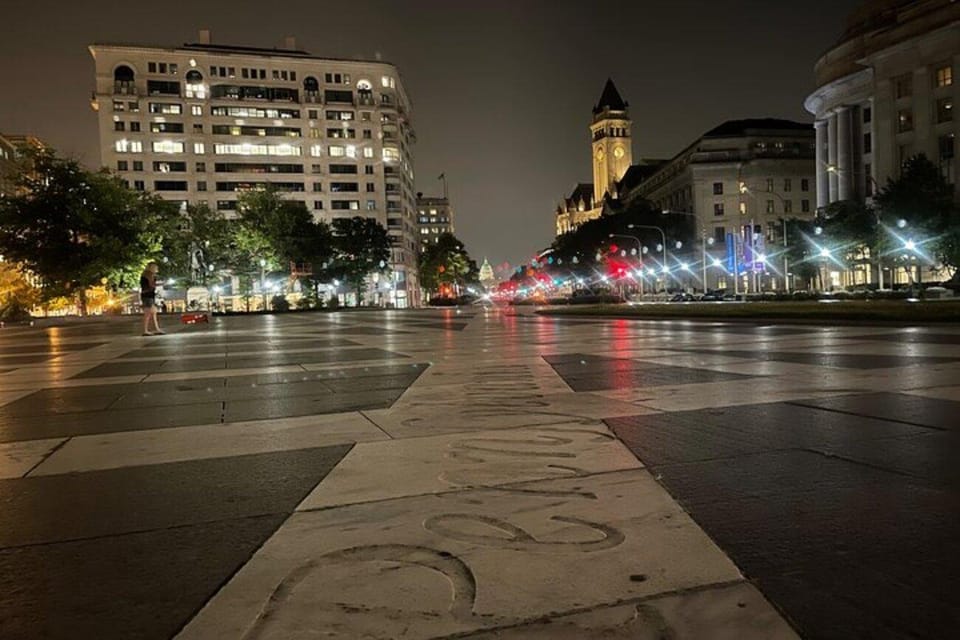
593 236
361 246
447 262
279 231
17 295
75 229
924 200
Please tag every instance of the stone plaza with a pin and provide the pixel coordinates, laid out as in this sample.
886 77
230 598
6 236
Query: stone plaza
478 473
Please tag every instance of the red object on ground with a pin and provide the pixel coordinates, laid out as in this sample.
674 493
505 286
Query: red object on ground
194 318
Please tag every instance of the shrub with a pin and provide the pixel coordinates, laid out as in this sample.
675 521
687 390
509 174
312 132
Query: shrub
280 303
333 303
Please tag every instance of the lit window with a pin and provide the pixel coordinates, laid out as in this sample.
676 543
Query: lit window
336 151
198 148
351 151
390 155
196 110
316 150
904 120
385 81
944 110
368 152
128 146
743 208
247 149
945 76
167 146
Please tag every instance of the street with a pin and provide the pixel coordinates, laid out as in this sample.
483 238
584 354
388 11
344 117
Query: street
480 473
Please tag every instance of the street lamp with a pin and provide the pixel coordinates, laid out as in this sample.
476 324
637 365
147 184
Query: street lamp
660 247
263 275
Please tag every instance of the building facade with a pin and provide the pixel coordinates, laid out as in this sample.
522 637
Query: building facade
886 92
434 217
611 156
203 122
739 182
8 166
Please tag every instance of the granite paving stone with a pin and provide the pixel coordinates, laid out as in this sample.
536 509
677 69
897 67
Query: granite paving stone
131 499
73 424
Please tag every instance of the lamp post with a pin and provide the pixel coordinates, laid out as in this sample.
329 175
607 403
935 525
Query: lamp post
876 188
665 269
744 188
663 236
263 290
639 251
704 241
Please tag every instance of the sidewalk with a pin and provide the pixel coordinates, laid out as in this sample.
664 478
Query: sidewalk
433 475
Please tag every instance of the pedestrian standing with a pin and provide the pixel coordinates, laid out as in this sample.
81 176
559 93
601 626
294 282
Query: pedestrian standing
148 299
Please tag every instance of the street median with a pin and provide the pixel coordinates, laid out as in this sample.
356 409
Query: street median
814 312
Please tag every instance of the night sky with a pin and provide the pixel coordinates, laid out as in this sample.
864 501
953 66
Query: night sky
501 89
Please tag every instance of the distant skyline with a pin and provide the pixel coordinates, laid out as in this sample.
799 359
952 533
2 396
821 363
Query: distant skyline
501 91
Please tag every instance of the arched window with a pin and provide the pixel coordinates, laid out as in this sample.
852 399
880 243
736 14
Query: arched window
123 73
311 85
123 78
364 85
195 87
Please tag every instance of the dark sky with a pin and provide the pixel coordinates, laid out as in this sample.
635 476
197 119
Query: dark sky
501 89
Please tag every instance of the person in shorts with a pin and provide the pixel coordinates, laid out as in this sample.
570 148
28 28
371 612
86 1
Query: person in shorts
148 299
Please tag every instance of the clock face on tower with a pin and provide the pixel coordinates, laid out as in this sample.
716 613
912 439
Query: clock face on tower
618 153
599 154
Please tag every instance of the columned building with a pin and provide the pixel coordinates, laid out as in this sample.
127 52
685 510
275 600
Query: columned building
738 182
203 122
886 92
612 155
434 217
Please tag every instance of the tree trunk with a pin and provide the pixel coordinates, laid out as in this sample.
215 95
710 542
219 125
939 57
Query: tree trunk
82 302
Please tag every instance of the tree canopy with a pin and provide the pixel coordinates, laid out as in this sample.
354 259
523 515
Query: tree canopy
447 262
361 247
76 229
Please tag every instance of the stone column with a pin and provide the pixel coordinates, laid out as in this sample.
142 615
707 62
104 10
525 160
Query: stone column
823 178
844 163
832 156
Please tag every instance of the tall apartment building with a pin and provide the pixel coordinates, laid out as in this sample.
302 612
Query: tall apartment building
202 122
738 181
886 92
434 217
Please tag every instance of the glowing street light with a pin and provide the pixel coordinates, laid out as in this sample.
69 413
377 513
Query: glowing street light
685 266
717 263
825 253
901 223
910 245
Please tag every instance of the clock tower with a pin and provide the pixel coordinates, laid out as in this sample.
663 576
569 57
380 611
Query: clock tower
612 154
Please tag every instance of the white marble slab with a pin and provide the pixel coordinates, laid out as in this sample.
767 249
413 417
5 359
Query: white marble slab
156 446
451 563
438 412
17 458
414 466
728 612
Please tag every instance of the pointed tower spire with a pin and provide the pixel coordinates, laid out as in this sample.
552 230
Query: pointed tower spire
610 99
